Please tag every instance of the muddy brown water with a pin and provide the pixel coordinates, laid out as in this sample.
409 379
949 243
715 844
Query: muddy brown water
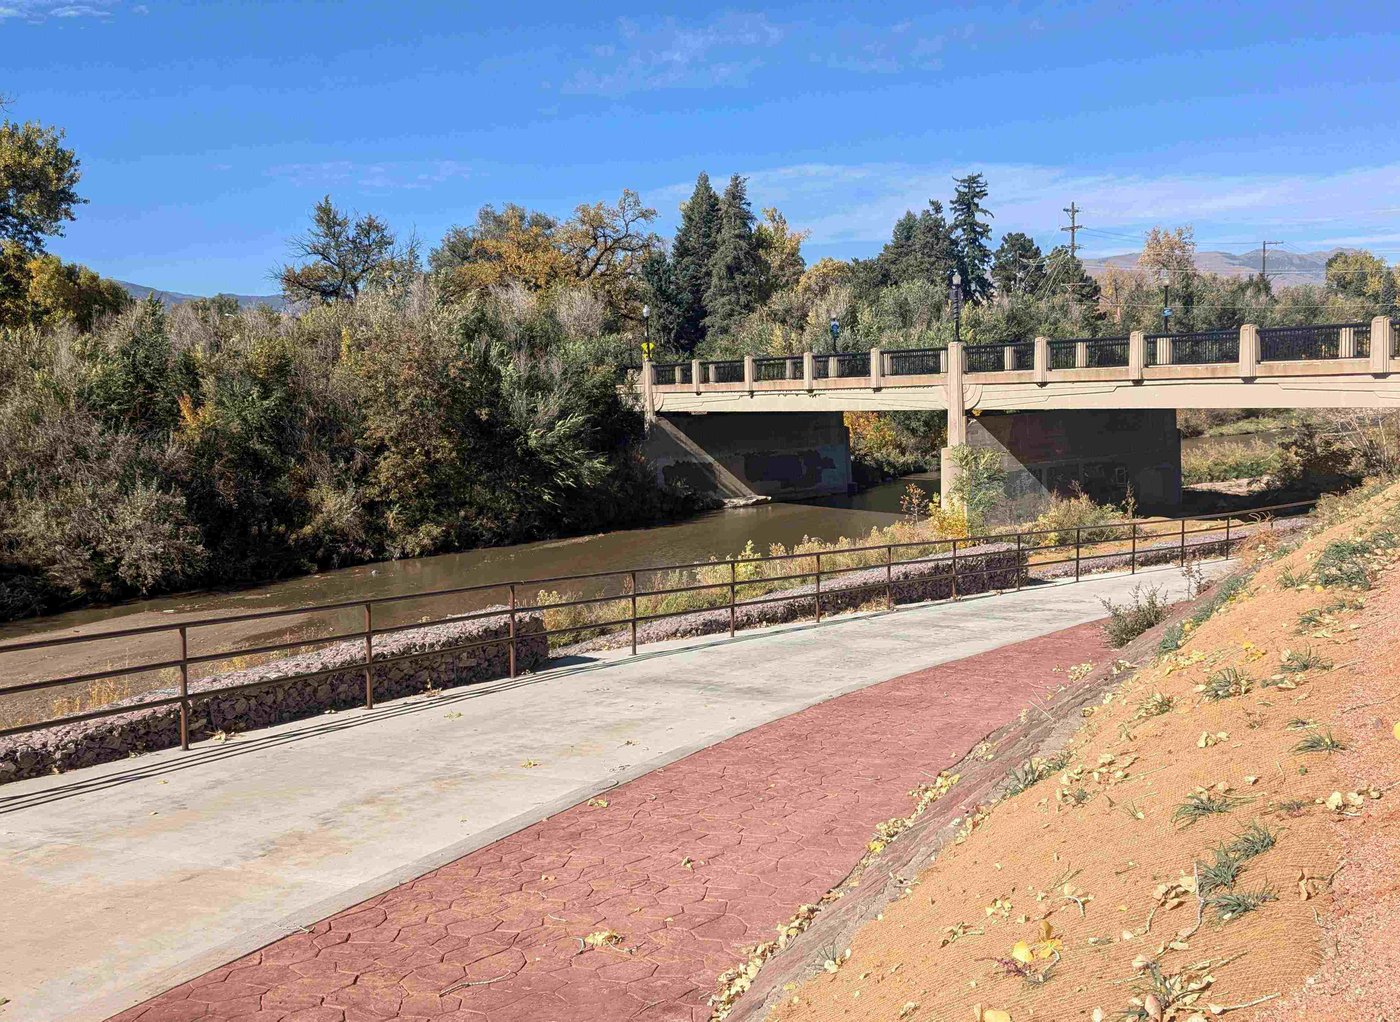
713 535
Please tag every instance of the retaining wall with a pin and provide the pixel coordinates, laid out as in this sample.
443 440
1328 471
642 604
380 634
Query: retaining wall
330 678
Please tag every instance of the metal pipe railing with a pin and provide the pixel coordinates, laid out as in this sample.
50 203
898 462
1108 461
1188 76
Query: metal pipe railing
641 605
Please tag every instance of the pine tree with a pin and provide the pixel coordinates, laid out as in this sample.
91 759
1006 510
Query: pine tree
896 260
692 254
933 245
1018 268
737 282
661 288
970 234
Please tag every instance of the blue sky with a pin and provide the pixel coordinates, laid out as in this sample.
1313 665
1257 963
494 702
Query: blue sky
207 129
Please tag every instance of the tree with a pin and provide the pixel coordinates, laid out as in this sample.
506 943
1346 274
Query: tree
737 282
608 244
1066 275
692 253
62 292
1357 273
1018 268
780 248
1169 254
970 232
344 256
38 182
513 244
661 287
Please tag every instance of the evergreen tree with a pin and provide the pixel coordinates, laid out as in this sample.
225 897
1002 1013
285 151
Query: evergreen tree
737 281
1018 268
970 233
661 290
933 245
895 262
692 254
1065 275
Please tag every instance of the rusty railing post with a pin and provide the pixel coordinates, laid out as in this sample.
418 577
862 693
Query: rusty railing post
1076 553
819 585
889 576
733 574
1227 537
184 688
955 568
632 589
1132 560
1183 542
512 630
1020 567
369 656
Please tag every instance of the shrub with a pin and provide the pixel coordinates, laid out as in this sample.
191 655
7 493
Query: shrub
1064 515
1127 621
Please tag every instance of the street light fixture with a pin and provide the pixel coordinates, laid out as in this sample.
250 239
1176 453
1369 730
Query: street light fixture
957 299
835 334
646 326
1166 303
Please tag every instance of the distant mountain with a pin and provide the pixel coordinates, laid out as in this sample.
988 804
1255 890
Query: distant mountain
140 291
1284 267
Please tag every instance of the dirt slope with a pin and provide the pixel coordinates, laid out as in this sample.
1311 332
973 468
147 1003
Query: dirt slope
1089 894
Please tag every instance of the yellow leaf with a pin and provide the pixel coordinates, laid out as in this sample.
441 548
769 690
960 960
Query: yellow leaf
1021 951
996 1015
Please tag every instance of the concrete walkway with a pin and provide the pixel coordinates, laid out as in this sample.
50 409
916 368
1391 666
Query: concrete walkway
126 879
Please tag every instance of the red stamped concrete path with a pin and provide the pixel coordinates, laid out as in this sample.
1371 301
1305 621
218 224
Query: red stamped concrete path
768 820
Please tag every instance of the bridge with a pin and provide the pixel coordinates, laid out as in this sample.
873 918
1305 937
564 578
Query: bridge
1347 365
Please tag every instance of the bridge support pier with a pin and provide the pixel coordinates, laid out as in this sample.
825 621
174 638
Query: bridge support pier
957 424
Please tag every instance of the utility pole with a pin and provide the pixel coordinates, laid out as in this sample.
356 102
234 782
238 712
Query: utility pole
1074 228
1264 259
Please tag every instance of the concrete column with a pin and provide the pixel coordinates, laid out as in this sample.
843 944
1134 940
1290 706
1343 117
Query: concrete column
1137 355
1081 355
1008 358
1381 341
789 369
696 374
1346 343
808 370
877 367
1042 360
957 421
676 372
1249 351
832 367
1164 351
712 373
748 374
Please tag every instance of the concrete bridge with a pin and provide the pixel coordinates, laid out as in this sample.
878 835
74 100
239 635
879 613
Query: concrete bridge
1124 389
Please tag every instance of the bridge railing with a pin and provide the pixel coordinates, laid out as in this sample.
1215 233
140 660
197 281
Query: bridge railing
916 362
1202 347
179 667
1246 346
1314 343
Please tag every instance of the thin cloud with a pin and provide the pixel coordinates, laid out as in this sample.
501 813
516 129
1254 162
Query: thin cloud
36 11
857 204
387 176
669 55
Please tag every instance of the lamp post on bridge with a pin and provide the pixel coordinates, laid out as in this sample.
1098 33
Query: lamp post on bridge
835 335
956 297
1166 304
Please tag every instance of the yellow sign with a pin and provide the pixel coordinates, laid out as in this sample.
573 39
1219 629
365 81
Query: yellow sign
648 349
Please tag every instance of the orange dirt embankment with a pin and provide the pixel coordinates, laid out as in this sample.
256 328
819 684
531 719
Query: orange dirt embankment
1087 895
